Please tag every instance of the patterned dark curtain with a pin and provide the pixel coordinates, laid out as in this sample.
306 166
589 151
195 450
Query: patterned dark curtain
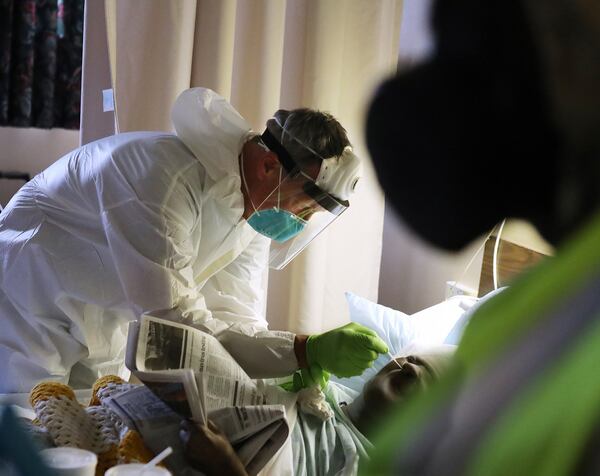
40 63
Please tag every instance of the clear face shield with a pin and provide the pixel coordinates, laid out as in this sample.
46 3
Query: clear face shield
301 207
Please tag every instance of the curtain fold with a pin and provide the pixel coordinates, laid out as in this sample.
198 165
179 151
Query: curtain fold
264 55
40 63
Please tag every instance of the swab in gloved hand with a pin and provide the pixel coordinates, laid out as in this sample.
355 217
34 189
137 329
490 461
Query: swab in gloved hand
393 359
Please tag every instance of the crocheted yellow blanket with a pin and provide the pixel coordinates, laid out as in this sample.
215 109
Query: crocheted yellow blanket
94 428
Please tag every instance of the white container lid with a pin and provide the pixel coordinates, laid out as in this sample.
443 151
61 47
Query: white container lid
70 461
136 470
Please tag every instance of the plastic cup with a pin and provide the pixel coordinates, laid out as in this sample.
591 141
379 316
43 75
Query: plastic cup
136 470
67 461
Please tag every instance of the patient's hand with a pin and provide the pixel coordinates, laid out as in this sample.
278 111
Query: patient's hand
208 450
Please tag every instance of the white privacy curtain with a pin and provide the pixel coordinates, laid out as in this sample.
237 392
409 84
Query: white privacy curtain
264 55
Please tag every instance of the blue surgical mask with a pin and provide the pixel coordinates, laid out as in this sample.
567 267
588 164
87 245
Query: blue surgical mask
277 224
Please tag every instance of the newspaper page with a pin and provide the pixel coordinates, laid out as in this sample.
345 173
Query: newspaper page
178 390
256 452
177 387
158 344
140 409
169 357
165 345
256 433
239 423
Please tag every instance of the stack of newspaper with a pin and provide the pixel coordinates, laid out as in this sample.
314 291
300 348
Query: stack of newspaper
187 373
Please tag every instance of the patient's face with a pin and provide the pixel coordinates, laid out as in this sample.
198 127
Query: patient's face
391 385
395 379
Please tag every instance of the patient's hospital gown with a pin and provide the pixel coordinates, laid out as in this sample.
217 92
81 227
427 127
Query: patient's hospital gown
128 224
331 447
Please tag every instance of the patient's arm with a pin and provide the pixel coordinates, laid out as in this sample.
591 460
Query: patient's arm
208 450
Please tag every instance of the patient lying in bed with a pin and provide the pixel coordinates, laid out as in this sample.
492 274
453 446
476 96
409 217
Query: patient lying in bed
335 445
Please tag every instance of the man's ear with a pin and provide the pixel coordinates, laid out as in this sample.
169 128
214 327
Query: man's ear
269 165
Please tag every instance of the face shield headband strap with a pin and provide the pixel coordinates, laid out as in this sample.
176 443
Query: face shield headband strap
326 200
284 157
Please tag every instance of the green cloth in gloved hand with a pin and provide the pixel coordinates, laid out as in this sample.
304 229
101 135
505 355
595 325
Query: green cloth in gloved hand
345 351
314 376
305 378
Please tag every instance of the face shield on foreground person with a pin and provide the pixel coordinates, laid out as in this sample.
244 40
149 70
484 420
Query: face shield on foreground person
503 121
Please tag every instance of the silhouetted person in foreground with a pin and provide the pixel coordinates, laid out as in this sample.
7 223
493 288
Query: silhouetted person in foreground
503 120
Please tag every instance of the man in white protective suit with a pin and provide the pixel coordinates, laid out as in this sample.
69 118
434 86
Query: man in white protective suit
188 221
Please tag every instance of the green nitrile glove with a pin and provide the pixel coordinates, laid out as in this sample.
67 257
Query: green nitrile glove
305 378
289 386
314 376
345 351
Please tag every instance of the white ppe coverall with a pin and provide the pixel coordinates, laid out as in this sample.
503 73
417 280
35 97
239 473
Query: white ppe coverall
129 224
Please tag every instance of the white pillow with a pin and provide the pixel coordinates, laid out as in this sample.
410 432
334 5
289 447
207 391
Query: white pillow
435 326
393 326
457 330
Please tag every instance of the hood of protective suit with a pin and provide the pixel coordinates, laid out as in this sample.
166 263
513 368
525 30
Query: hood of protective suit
212 129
